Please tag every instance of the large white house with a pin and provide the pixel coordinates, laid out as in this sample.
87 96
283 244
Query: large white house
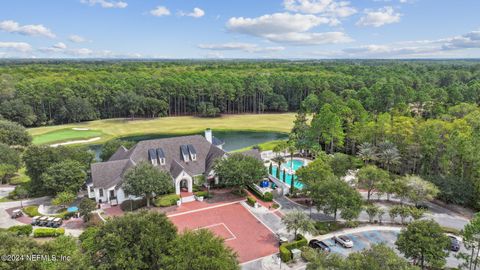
188 159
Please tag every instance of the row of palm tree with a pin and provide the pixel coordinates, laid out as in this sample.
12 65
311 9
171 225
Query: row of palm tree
386 153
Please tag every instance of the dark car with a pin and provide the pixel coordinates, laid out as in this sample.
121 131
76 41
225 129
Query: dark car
455 244
317 244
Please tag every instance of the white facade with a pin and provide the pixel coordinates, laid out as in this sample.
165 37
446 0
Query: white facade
183 176
114 196
108 195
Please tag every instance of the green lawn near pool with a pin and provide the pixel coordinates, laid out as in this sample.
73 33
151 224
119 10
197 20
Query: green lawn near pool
63 135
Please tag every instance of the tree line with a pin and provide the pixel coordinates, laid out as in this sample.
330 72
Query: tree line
55 92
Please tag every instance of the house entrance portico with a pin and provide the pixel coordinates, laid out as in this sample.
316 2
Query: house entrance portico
183 183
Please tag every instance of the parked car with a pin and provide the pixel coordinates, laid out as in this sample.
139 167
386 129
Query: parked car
49 222
344 241
17 213
42 221
317 244
35 220
57 222
455 244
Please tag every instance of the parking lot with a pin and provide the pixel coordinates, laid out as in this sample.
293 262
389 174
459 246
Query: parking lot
363 240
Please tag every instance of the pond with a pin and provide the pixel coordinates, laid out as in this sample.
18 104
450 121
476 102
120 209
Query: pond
234 140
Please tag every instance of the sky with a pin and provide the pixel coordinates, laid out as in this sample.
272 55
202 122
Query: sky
253 29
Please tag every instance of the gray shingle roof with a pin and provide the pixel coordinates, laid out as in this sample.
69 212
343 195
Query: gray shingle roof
252 153
175 169
216 141
107 173
121 153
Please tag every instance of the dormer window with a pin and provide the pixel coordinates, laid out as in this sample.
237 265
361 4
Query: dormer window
192 152
152 156
161 156
185 153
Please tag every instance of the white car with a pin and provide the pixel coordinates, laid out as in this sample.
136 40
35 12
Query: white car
344 241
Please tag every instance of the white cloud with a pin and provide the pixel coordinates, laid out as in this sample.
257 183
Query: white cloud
288 28
16 46
28 30
61 49
160 11
77 39
327 7
196 13
106 3
311 38
234 46
447 47
377 18
60 45
276 23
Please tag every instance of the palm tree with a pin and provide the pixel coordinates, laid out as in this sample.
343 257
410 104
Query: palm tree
298 221
388 154
279 160
367 152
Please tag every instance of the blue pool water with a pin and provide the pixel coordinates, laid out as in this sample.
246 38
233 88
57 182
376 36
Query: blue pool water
72 209
297 163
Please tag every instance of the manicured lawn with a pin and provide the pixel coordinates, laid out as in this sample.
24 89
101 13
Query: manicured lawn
65 135
263 146
112 128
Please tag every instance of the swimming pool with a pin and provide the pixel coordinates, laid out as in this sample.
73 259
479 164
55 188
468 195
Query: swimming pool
288 166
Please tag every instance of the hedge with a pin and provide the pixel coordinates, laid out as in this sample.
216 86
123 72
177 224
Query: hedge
166 200
130 205
286 248
451 230
48 232
21 229
251 201
31 210
285 253
327 227
267 197
204 194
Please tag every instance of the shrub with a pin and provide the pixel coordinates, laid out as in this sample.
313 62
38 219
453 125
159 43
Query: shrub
267 197
166 200
48 232
309 254
130 205
285 249
285 253
31 210
352 223
203 194
94 221
251 201
21 230
451 230
327 227
275 205
65 215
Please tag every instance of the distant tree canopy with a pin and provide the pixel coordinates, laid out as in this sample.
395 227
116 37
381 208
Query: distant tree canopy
40 93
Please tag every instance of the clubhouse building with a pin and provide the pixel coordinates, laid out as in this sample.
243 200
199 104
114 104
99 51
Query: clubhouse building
188 159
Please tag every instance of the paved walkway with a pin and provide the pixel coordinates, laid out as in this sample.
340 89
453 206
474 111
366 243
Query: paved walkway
5 190
443 216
